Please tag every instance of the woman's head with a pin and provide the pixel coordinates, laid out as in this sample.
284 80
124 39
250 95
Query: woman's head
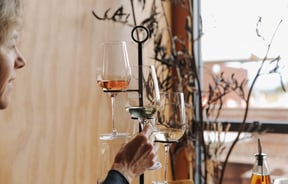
10 56
10 17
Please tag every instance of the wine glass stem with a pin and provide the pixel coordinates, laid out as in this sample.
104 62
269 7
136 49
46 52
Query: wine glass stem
141 124
166 149
114 131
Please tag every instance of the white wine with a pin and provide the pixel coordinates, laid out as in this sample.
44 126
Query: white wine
142 112
168 135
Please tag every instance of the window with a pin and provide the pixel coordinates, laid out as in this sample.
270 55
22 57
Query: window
236 35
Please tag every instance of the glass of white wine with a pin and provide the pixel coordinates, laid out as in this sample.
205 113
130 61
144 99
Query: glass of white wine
143 93
170 123
113 76
143 97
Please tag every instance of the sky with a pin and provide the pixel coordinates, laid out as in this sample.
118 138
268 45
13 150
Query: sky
230 33
229 28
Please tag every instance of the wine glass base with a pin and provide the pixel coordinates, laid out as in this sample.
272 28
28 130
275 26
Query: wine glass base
156 166
113 136
183 181
159 182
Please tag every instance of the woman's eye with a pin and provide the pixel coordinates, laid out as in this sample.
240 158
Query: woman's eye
11 46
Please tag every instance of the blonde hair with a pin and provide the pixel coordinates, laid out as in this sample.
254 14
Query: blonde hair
10 17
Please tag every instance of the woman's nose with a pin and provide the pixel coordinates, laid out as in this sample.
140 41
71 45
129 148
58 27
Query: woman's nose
20 60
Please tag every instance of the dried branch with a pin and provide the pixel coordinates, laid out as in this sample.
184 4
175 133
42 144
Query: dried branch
242 126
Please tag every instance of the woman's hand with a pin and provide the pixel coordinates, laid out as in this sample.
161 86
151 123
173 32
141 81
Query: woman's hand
137 155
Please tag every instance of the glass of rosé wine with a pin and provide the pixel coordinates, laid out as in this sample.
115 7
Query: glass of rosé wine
113 76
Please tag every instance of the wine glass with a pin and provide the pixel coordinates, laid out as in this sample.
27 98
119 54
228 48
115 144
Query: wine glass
113 76
143 93
143 97
170 123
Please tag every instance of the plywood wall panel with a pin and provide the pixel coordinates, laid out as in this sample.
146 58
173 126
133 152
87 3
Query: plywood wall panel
49 133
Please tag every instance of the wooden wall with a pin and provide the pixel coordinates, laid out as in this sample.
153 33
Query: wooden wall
49 133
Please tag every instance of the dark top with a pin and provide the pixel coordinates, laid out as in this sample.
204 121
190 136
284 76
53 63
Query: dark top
115 177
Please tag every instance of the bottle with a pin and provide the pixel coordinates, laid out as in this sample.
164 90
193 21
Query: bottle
260 171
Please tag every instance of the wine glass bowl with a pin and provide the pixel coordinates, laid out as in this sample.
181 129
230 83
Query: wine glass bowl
143 93
113 75
113 69
171 118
